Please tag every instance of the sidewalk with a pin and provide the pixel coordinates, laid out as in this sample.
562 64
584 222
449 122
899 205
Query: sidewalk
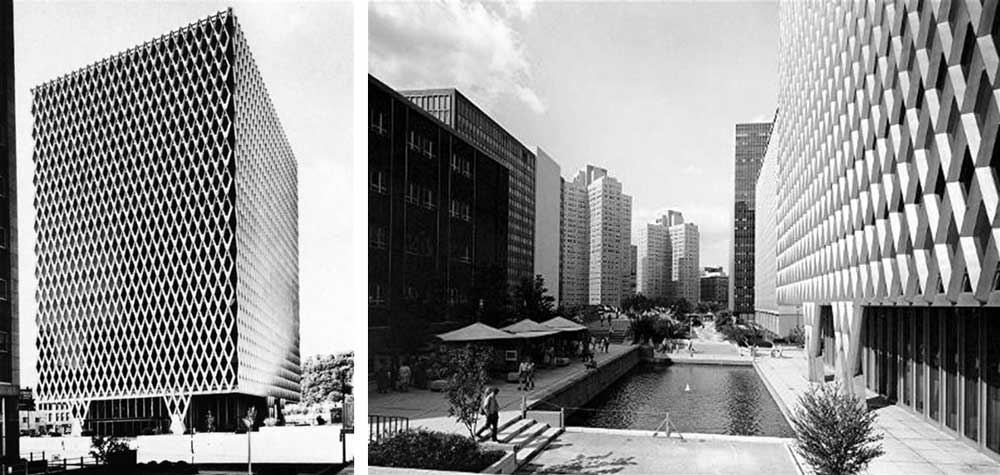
912 446
429 409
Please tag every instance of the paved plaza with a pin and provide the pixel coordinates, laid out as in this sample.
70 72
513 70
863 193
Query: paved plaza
429 409
603 452
912 446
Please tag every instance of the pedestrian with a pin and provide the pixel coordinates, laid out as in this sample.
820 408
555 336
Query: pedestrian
606 343
404 377
531 374
522 375
691 348
491 408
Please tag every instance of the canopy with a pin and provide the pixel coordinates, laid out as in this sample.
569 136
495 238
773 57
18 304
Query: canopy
476 332
530 329
562 324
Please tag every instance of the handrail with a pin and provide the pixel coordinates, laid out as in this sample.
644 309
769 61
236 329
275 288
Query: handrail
381 426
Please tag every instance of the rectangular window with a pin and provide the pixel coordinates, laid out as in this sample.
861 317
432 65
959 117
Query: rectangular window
377 182
376 237
970 373
5 342
376 122
375 295
429 201
412 193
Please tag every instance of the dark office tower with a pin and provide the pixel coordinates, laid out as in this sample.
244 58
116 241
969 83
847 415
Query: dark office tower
437 226
479 129
9 373
751 144
166 210
887 205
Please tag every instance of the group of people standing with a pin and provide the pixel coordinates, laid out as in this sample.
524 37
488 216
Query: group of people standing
526 375
388 378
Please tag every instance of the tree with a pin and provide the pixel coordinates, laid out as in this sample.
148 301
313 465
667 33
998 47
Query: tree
468 367
102 447
326 378
532 300
835 433
682 307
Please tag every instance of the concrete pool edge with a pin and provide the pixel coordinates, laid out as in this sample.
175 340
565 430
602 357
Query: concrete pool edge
762 439
785 411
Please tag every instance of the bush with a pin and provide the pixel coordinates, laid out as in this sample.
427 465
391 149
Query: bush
424 449
103 448
835 433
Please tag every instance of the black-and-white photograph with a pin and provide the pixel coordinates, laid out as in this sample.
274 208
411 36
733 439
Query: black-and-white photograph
172 249
747 237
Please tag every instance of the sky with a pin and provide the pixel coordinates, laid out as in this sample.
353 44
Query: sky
650 91
304 51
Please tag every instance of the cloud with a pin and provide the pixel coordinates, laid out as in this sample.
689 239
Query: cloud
448 43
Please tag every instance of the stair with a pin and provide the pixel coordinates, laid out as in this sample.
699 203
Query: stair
509 432
537 444
527 435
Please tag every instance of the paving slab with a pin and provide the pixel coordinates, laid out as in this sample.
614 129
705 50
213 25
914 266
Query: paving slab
912 445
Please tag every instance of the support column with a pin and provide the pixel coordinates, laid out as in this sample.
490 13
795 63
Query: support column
177 406
810 316
78 413
847 320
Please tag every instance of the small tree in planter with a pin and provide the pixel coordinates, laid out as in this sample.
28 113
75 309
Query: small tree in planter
468 368
835 433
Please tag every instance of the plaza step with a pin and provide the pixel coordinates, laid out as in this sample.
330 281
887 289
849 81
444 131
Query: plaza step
514 429
537 444
483 434
528 434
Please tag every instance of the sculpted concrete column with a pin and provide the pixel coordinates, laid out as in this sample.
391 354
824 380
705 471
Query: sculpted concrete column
847 319
810 316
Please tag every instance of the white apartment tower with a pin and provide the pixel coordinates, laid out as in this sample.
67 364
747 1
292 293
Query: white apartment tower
596 242
653 260
685 268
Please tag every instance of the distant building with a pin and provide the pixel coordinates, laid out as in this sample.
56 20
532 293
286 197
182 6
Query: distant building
574 247
630 281
714 286
779 319
685 268
654 260
596 241
9 299
166 212
751 143
548 206
479 129
437 225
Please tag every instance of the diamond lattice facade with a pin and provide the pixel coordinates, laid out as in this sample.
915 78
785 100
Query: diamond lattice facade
166 220
887 228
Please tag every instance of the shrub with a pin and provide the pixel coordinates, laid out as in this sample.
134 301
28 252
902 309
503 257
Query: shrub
104 447
271 421
424 449
835 433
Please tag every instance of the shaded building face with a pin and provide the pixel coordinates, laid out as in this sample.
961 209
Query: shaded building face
9 374
166 219
479 129
751 144
438 226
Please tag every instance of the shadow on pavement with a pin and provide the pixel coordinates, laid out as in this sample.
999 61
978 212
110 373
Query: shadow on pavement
594 464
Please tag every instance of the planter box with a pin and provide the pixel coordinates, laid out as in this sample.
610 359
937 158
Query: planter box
122 459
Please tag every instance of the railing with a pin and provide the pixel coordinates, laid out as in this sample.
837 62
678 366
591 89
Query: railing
37 464
383 426
667 427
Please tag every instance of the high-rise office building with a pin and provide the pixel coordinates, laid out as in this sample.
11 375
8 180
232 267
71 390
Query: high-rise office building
478 128
166 212
685 266
9 334
596 240
630 280
714 286
751 143
548 203
437 226
887 229
654 260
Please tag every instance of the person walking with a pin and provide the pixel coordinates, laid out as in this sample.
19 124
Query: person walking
605 343
404 377
522 375
491 408
531 375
